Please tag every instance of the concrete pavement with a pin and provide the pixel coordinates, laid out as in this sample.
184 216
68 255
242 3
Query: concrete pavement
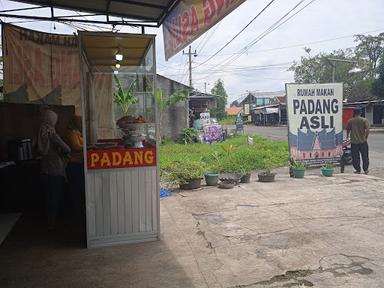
312 232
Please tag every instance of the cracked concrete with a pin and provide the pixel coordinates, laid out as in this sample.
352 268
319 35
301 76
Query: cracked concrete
312 232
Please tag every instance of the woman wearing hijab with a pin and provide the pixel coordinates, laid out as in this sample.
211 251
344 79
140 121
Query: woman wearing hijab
53 150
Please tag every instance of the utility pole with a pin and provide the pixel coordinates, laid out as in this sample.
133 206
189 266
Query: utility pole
333 61
190 53
205 87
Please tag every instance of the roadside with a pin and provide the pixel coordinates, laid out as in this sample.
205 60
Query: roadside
375 141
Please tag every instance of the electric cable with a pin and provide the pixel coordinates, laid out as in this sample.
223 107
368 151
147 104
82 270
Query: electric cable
245 27
270 29
273 27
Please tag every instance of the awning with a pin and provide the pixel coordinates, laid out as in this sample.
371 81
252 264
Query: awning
153 11
270 110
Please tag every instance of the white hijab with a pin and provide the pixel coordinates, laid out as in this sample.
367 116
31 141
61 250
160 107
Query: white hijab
47 128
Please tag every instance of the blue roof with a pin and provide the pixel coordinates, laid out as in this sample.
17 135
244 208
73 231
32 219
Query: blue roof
339 138
327 139
305 140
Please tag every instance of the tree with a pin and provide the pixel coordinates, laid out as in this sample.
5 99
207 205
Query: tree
319 69
371 49
378 84
221 96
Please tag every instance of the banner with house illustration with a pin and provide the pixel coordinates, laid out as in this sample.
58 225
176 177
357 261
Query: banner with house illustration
315 122
191 18
40 67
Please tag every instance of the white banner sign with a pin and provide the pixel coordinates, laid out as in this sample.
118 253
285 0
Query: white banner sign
315 122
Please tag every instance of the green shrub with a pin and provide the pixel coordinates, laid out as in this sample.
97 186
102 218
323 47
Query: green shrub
181 172
328 166
228 120
298 165
233 155
188 135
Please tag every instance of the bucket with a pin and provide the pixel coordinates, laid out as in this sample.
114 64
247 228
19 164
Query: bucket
211 179
327 172
298 173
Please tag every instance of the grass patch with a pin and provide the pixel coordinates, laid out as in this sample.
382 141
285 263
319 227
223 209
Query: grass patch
262 154
228 120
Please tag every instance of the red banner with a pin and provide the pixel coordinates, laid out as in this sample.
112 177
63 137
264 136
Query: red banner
190 19
121 158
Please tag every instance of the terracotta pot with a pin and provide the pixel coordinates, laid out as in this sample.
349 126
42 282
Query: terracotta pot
266 177
246 178
226 185
192 184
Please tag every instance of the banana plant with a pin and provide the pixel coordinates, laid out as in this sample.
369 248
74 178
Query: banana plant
175 97
124 99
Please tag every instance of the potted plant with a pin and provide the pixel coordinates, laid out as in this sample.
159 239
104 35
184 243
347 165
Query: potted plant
230 170
246 176
327 170
266 176
227 183
187 174
297 168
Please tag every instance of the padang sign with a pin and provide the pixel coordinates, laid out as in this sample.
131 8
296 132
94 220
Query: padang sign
40 67
315 122
191 18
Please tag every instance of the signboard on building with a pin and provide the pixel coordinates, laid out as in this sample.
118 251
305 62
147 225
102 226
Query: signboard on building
315 122
191 18
205 118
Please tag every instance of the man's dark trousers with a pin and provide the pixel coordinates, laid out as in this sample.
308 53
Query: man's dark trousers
357 149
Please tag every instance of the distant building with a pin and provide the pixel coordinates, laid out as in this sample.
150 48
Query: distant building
233 111
256 99
200 102
373 110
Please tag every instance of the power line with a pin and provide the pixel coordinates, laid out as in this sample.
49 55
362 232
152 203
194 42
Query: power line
245 27
244 69
301 44
272 28
210 36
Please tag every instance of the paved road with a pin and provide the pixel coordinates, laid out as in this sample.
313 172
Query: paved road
375 141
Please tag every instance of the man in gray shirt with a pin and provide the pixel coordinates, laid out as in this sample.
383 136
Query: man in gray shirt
358 131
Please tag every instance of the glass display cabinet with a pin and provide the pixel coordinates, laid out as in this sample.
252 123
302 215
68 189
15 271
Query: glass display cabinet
118 84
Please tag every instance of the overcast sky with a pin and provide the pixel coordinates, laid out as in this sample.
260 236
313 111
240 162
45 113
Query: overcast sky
321 21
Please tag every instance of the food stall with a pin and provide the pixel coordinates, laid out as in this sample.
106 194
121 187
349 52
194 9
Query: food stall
118 77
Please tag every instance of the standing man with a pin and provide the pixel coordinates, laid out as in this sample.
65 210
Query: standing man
358 130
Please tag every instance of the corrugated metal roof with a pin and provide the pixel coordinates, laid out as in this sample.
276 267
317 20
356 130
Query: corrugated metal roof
146 10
